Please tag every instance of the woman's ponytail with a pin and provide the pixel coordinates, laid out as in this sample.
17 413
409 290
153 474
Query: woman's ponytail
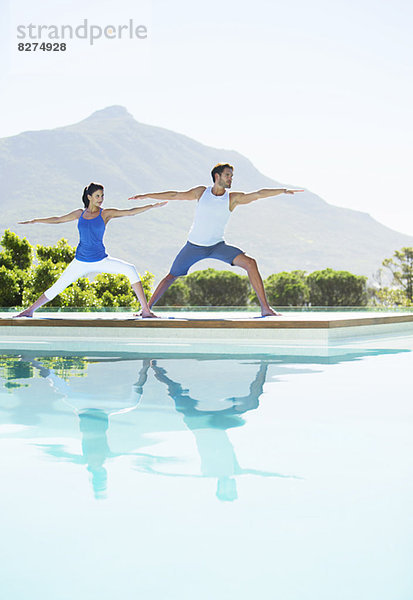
89 190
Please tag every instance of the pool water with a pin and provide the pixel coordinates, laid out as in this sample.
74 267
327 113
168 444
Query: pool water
209 477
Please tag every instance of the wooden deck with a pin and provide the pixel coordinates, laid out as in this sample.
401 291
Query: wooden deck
193 321
216 333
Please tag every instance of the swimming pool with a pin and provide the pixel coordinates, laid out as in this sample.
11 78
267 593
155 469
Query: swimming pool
170 476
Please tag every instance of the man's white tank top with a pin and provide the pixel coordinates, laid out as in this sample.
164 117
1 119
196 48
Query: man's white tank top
211 217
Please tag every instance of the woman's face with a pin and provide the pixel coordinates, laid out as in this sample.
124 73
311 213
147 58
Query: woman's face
96 199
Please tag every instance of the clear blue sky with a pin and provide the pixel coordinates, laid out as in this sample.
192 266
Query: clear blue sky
317 94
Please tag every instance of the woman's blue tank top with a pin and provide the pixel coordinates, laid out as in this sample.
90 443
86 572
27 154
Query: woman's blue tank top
91 232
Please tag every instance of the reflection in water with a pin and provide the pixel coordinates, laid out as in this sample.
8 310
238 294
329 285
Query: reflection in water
95 448
94 407
209 395
209 424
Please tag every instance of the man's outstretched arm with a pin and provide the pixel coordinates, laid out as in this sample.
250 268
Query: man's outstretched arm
192 194
242 198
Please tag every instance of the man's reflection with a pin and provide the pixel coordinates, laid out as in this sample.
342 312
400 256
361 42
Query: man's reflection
221 392
98 388
209 421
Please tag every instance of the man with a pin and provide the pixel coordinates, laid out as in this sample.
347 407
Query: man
206 237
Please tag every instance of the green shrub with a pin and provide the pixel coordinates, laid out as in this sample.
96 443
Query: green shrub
287 289
62 252
217 288
80 295
17 252
39 279
401 268
337 288
22 282
10 287
176 295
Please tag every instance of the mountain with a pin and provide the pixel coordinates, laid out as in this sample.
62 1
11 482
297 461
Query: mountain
43 173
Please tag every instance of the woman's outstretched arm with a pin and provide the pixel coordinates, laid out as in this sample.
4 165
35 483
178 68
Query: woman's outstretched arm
72 216
114 213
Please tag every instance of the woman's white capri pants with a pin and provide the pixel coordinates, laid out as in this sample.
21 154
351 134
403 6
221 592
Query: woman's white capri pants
79 268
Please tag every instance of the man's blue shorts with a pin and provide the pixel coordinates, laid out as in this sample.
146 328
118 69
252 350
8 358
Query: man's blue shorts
191 253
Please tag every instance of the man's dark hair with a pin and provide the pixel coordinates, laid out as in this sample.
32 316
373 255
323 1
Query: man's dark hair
219 168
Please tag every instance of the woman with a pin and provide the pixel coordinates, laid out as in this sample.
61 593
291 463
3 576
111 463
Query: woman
91 256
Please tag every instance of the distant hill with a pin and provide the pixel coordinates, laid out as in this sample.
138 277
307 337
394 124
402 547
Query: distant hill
42 173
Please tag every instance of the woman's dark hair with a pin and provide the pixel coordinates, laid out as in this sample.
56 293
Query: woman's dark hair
89 190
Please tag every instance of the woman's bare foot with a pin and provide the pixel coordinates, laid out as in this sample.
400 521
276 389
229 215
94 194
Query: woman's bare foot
24 313
28 312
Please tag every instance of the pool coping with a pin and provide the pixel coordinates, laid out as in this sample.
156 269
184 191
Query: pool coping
126 320
223 334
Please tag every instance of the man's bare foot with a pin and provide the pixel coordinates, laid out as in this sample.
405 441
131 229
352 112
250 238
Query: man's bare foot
24 313
269 312
147 314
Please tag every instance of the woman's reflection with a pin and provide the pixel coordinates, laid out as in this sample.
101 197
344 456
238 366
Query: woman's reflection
101 387
93 410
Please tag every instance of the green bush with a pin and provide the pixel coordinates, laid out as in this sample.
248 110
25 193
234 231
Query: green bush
79 295
62 252
39 279
116 290
22 282
176 295
6 260
17 253
337 288
10 287
401 268
391 297
147 283
110 289
217 288
287 289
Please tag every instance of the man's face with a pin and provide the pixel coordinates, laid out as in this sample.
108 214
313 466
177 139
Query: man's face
225 179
